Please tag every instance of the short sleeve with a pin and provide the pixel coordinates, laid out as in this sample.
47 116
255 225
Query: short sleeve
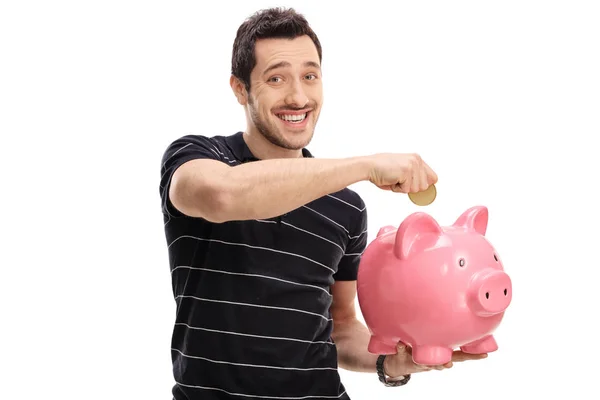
180 151
348 265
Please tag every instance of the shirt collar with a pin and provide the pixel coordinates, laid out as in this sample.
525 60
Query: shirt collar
242 152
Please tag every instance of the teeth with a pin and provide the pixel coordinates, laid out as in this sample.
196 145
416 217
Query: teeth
292 118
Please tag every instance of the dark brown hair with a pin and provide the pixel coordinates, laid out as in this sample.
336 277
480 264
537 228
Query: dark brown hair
270 23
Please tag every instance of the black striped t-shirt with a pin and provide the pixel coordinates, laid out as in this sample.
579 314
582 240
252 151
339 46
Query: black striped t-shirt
253 297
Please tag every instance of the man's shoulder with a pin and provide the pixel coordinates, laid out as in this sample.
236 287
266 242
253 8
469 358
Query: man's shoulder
202 139
350 197
344 205
197 143
347 208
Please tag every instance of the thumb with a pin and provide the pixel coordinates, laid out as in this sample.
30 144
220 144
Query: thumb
403 347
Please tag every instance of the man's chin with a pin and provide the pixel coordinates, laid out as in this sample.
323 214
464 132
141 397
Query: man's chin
296 140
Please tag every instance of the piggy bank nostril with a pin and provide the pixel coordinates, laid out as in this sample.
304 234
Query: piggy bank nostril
487 295
505 291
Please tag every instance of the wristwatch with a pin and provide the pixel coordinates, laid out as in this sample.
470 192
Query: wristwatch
383 379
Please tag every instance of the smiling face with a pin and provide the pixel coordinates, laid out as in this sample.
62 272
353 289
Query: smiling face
285 97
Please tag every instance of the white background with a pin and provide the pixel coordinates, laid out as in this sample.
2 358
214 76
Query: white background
501 98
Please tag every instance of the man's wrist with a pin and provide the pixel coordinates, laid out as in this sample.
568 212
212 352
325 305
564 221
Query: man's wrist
364 164
386 369
386 362
385 377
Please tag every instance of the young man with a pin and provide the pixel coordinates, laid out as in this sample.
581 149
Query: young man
264 240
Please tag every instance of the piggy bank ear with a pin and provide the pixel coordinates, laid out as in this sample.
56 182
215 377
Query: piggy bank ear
475 218
385 230
419 231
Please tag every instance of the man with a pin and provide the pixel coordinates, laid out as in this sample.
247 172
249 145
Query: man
264 239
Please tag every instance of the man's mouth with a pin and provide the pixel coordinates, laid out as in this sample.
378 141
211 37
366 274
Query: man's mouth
293 117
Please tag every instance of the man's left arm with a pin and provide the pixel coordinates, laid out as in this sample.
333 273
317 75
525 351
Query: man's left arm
349 334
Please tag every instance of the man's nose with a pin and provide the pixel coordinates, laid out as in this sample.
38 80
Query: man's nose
296 97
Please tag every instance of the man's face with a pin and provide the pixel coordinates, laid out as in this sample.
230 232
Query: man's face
286 93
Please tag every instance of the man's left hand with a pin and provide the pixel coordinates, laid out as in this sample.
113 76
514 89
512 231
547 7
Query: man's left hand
401 363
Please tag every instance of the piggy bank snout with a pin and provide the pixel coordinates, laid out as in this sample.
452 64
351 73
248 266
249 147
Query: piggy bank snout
490 293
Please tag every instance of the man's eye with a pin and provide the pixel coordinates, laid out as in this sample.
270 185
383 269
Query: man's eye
275 79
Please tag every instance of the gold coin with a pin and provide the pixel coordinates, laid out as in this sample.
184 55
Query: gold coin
425 197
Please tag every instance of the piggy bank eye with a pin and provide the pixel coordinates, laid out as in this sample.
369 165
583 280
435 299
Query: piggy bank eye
461 262
495 257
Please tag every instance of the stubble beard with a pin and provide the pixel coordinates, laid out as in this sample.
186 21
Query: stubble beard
271 133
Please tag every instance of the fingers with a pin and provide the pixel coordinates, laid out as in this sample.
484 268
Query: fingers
423 179
431 176
402 347
435 367
459 356
419 183
404 354
398 188
415 183
443 366
416 164
405 187
418 177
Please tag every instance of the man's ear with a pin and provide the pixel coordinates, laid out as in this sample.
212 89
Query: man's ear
239 90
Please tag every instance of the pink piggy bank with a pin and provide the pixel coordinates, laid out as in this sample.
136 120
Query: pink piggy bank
433 288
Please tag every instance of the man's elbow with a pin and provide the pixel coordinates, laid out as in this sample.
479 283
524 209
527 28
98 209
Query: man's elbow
208 201
342 328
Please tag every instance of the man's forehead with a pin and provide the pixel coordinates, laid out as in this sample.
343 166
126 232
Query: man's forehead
286 64
284 52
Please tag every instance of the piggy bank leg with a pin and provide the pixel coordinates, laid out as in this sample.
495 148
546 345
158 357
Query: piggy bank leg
431 355
486 344
380 346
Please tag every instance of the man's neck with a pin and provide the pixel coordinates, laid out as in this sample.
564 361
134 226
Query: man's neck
262 149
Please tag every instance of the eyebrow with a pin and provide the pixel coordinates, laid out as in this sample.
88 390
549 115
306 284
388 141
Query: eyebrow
282 64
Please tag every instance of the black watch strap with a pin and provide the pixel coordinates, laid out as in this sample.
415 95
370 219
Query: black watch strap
383 379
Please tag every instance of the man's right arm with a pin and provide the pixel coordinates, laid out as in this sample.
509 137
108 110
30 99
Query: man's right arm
217 192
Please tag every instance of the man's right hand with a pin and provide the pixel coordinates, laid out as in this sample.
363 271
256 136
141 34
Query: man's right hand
213 190
403 173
